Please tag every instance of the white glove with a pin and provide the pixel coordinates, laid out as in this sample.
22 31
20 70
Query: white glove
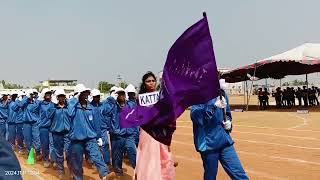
114 95
28 95
227 125
221 103
100 143
90 98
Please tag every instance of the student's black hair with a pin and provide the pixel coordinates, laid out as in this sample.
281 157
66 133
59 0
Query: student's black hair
143 88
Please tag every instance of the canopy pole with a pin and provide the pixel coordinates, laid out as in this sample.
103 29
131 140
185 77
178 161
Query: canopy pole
247 96
244 93
307 83
266 83
254 75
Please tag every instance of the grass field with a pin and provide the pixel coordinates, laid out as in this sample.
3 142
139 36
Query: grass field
270 144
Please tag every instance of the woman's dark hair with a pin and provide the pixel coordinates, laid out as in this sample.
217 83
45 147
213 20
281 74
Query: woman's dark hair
144 77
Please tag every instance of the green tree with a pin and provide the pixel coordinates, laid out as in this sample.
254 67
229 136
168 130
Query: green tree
158 87
104 86
286 84
297 82
7 85
123 84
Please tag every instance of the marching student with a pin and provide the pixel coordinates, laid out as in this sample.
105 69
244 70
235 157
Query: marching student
83 135
60 127
103 127
122 139
212 124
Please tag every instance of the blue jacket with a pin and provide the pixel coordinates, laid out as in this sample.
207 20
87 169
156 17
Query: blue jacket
83 121
3 112
44 107
18 110
97 110
30 110
111 112
13 115
208 131
61 121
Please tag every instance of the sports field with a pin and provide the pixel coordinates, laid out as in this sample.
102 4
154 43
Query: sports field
271 145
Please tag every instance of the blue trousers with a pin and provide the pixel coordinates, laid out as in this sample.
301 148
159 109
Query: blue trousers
76 157
52 152
3 130
12 129
32 136
105 146
19 135
44 140
137 136
229 161
61 142
47 145
120 145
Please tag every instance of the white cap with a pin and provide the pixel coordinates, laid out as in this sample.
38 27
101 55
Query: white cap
114 88
130 88
119 89
35 91
81 88
21 93
29 91
95 92
59 92
4 93
14 92
45 90
223 84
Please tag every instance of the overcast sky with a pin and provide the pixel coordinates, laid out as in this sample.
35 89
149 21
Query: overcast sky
96 40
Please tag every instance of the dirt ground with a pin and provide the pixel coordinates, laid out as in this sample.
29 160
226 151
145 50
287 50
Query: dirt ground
271 145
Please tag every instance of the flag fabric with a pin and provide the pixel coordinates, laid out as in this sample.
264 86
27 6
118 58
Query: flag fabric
190 77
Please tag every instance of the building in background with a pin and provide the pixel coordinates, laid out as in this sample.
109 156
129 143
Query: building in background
67 85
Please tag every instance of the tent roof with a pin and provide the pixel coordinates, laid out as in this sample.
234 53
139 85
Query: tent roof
303 59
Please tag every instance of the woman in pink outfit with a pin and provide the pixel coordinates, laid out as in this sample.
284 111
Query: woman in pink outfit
154 159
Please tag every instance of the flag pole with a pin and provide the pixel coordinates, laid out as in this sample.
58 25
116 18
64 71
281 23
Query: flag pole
204 14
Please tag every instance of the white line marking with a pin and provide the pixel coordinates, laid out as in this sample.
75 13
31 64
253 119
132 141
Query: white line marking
260 174
281 158
263 142
277 135
278 144
265 127
184 126
305 121
265 155
265 134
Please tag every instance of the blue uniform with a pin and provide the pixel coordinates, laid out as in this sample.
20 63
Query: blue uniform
97 109
60 128
12 124
3 118
213 142
18 121
122 139
45 135
83 137
31 123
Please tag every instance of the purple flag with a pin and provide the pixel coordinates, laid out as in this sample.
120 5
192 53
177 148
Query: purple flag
190 77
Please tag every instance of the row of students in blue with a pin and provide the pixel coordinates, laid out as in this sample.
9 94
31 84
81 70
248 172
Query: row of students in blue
77 126
90 125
